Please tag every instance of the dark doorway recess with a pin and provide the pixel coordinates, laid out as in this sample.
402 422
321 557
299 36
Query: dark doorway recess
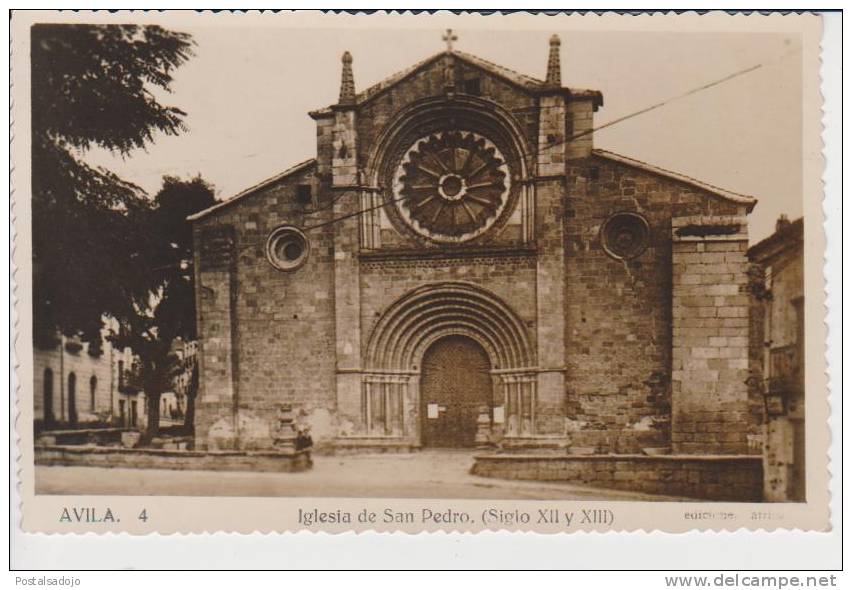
455 384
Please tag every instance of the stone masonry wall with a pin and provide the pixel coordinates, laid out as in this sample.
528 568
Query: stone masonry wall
618 312
603 327
580 122
374 116
215 416
550 265
710 309
778 364
384 281
115 457
718 478
756 352
784 460
283 324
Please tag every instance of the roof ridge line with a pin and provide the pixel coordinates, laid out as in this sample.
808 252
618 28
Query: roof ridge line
244 193
719 191
493 64
794 230
512 76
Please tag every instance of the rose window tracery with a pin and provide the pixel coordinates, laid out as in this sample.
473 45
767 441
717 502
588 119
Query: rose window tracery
452 186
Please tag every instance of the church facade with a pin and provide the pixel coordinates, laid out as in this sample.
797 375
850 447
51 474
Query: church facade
459 266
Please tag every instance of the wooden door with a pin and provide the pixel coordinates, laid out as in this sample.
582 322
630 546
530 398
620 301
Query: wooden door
455 384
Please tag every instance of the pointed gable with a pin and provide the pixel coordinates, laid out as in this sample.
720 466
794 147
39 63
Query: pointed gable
283 177
517 80
716 191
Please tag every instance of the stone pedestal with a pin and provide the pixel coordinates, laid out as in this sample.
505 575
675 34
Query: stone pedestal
285 433
129 440
483 428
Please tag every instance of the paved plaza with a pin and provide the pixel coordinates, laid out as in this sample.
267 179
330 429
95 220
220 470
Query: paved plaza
428 474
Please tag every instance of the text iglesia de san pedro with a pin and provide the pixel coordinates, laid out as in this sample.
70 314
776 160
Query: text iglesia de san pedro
459 266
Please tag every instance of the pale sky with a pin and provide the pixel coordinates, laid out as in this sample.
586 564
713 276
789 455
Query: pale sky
247 92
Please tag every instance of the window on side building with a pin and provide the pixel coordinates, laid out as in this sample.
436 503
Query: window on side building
48 396
93 389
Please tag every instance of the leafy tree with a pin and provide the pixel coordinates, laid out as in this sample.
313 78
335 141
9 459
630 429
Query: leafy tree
93 85
169 312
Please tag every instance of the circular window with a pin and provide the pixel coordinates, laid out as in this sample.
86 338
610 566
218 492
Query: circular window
451 186
625 235
287 248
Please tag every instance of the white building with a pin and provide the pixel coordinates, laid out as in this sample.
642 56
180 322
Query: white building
75 383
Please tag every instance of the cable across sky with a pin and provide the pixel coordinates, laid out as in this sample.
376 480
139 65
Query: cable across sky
648 109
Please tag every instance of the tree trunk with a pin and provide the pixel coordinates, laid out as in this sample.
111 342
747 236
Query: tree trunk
189 417
152 429
191 394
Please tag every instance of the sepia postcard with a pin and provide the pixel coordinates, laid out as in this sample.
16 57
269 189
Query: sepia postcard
435 272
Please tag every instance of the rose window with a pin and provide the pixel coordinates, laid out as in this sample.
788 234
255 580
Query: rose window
452 186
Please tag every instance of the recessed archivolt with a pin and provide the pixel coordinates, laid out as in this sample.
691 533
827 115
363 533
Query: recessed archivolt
424 315
423 344
507 351
478 114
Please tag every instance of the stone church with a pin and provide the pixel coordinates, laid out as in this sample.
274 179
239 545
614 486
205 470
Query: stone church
459 266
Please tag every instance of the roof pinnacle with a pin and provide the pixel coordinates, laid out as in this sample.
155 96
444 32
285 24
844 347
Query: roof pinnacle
347 80
554 67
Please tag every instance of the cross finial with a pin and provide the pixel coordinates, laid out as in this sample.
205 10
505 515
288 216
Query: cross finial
449 37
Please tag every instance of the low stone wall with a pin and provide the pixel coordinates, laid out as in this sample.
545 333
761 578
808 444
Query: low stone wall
81 436
367 444
737 478
93 456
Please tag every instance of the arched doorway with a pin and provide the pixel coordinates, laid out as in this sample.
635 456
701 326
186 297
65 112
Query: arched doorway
455 384
407 352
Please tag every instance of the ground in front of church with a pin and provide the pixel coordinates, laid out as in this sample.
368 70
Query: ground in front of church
427 474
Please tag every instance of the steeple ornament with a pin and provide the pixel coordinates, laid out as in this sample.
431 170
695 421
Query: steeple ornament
554 68
448 38
347 81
